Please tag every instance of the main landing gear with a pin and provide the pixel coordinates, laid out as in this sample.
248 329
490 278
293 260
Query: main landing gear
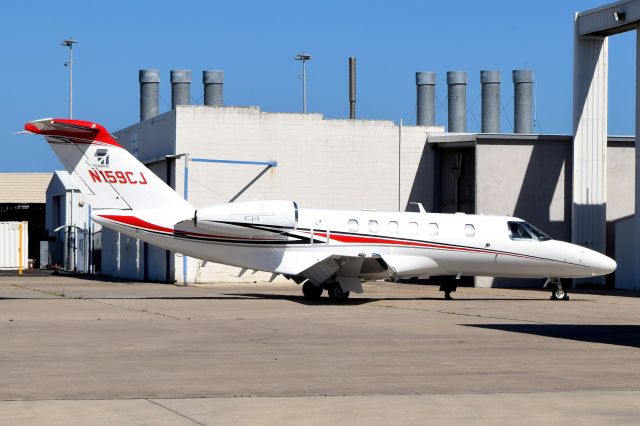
557 293
448 286
335 292
311 291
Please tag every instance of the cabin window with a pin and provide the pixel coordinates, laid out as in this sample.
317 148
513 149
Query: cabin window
373 226
517 231
469 230
393 227
433 229
353 225
413 227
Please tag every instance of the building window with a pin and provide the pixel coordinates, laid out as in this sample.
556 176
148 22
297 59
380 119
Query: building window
433 229
413 227
373 226
393 227
469 230
353 225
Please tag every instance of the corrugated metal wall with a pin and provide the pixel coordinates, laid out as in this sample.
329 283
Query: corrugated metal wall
24 188
10 244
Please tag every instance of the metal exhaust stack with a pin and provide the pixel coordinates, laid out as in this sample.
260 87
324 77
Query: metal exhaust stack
213 83
180 88
426 98
490 81
457 89
523 101
149 93
352 88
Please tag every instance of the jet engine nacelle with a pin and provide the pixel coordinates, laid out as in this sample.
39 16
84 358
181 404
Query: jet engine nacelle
246 218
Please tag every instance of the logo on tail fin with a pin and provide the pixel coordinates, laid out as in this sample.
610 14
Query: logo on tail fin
102 157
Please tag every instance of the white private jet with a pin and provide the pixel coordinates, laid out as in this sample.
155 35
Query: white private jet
333 250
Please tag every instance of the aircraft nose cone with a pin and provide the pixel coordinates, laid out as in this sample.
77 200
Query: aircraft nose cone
601 264
609 265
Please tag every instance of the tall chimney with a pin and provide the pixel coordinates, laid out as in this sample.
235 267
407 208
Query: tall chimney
180 88
213 81
490 81
523 101
426 98
352 88
457 89
149 93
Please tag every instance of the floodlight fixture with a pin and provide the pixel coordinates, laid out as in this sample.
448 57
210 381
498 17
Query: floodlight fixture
619 16
303 57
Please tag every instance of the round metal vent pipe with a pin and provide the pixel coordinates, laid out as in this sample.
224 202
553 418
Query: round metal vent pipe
180 88
490 81
149 93
426 98
457 93
523 101
213 84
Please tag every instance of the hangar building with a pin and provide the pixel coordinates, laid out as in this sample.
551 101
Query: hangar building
22 198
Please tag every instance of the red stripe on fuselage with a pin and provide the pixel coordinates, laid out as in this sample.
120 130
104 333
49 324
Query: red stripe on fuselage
365 239
142 224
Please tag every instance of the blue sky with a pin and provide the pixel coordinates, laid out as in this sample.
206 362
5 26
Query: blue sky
254 42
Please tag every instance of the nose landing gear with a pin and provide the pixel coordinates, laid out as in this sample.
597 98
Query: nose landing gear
557 293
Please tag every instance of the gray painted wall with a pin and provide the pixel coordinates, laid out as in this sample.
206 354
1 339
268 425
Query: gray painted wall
526 177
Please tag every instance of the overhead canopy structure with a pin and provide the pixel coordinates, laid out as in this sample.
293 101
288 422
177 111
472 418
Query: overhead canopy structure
590 69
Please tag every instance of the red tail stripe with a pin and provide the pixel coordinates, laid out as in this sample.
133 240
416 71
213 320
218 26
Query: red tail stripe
137 222
91 132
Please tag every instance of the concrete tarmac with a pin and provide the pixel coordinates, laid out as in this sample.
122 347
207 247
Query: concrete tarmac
78 351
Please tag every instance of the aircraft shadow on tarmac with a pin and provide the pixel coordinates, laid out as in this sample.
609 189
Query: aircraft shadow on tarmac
265 296
621 335
364 300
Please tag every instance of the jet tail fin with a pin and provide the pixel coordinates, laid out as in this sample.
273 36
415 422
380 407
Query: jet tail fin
116 178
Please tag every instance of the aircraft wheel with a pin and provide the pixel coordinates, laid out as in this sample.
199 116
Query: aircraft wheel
336 293
559 294
311 291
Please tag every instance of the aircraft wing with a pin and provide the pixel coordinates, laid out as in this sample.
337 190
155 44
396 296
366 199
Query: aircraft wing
347 269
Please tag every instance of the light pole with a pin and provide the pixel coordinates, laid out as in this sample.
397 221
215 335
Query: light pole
69 43
304 58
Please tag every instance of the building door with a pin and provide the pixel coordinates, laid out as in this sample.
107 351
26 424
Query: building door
458 180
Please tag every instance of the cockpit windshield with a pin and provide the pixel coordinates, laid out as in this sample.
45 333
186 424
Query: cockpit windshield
536 232
526 231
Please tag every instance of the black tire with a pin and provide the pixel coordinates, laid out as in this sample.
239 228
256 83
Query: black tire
311 291
559 294
336 293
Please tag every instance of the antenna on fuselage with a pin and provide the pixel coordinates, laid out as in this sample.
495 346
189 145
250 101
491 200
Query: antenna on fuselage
420 207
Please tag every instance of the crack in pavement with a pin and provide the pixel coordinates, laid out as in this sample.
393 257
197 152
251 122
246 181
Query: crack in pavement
175 412
95 300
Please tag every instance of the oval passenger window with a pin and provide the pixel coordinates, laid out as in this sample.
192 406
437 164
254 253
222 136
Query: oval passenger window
469 230
393 227
433 229
413 227
353 225
373 226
